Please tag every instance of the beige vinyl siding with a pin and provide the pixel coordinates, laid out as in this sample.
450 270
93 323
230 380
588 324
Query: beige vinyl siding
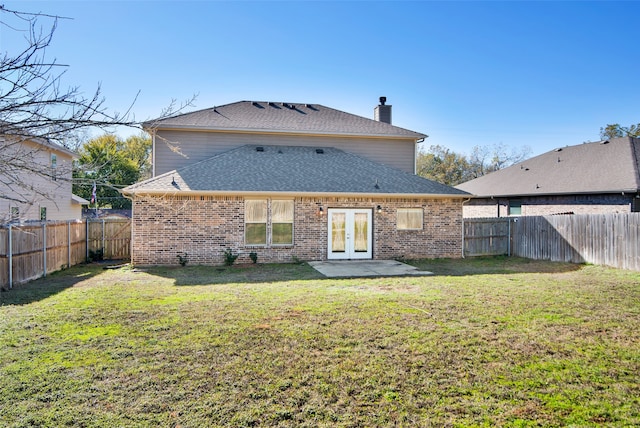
54 195
196 146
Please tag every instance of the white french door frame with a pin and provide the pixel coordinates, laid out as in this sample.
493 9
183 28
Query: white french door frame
350 233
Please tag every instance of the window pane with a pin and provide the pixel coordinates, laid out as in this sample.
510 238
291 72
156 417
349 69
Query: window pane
255 233
255 211
282 233
282 211
409 219
361 226
337 232
515 207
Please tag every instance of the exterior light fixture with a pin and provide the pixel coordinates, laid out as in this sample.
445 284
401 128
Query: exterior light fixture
379 209
320 211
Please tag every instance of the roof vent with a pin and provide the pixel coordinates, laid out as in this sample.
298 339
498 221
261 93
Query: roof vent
559 149
259 149
256 104
604 142
320 151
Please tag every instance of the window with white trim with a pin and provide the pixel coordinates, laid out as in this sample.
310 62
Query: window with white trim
281 222
268 222
409 218
54 165
255 222
15 214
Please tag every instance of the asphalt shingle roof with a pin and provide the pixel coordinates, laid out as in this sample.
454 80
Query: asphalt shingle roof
604 167
281 117
289 169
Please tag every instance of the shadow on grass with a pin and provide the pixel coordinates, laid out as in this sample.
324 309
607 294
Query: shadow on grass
52 284
491 265
249 273
254 273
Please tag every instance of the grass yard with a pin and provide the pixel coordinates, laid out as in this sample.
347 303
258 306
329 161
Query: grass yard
484 342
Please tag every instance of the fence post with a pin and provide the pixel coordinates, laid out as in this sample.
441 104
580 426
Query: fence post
10 247
86 239
103 237
68 244
509 239
44 248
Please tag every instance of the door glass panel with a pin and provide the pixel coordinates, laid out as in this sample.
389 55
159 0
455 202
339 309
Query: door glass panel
360 227
338 232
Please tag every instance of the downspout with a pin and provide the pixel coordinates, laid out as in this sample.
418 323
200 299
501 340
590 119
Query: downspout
463 202
415 155
131 236
153 153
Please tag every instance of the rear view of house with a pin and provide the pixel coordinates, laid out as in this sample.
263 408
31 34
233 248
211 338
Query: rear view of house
289 181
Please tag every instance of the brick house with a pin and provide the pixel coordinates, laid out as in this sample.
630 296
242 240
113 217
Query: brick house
590 178
289 181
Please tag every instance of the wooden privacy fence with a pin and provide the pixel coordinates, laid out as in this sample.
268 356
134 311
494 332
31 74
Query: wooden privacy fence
604 239
486 236
34 250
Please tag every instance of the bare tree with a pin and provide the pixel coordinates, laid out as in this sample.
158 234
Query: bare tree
32 101
37 114
486 159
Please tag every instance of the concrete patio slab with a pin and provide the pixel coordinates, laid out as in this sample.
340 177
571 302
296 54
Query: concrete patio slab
366 268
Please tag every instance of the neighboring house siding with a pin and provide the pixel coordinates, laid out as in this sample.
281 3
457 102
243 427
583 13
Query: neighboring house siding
205 226
550 205
54 195
198 146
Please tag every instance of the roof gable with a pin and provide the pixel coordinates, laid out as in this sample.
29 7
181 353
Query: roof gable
602 167
287 169
262 116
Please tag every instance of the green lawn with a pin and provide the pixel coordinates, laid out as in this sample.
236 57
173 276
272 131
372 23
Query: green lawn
484 342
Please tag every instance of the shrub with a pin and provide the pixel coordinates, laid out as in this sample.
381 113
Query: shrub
183 259
229 257
253 256
97 255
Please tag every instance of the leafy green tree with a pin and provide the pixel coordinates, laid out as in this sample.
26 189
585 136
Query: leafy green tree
111 164
616 131
442 165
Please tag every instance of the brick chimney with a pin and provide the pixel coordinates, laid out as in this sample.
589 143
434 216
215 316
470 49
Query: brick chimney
382 113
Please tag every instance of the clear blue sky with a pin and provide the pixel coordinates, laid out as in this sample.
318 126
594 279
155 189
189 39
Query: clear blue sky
542 74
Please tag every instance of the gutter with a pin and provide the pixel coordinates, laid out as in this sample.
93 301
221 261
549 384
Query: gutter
320 133
257 193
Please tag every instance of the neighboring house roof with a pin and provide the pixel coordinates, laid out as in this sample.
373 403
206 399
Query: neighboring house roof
286 169
604 167
8 138
270 117
79 200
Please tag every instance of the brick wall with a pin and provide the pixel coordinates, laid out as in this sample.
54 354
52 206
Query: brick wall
550 205
204 227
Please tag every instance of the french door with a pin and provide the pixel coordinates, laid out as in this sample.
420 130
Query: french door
350 233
